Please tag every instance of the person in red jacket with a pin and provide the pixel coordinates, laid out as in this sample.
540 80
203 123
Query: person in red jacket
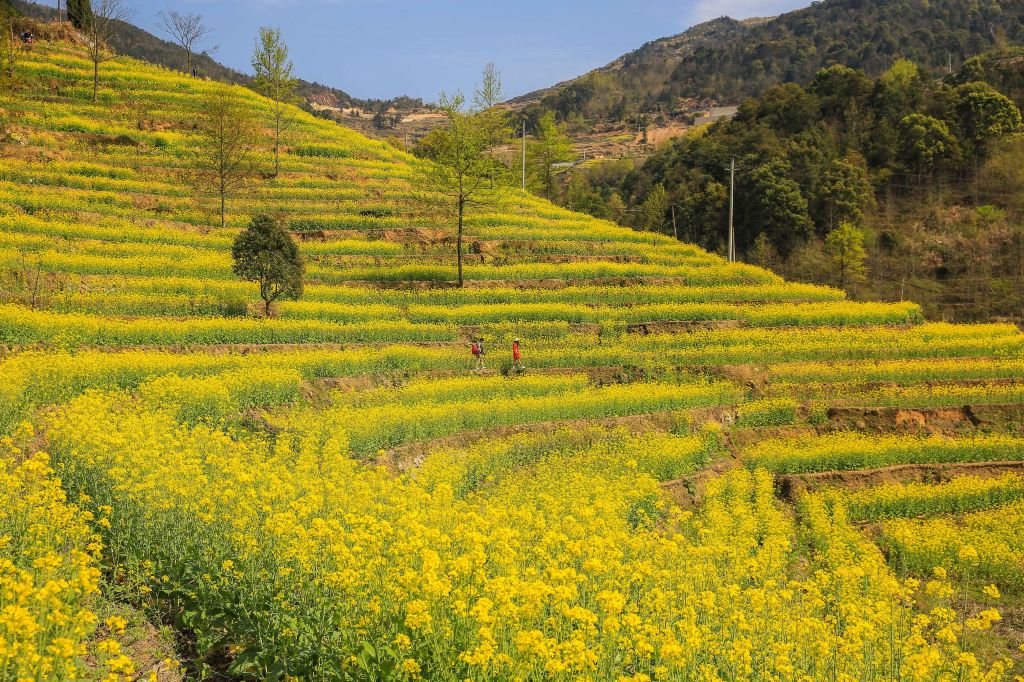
477 349
517 358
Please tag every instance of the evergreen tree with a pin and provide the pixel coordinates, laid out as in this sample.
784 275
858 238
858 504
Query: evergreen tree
842 194
845 248
265 253
985 115
79 13
924 143
774 205
654 209
548 146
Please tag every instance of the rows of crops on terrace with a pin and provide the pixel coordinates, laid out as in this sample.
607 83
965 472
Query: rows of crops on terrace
365 181
481 505
338 468
937 492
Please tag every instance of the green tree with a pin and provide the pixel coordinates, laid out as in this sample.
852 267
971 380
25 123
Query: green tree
654 208
224 159
265 253
101 24
788 108
972 70
842 194
464 175
838 88
845 249
899 90
488 94
764 253
79 13
491 118
771 202
274 80
615 207
985 115
548 146
702 211
924 143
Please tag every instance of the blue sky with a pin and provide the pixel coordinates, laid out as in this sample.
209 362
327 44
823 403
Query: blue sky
378 48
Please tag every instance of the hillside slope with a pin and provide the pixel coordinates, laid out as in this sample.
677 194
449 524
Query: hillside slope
645 69
136 42
725 60
333 494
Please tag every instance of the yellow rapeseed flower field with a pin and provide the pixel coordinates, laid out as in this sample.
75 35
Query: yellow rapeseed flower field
692 470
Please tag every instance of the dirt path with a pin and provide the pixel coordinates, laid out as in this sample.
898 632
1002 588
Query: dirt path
790 486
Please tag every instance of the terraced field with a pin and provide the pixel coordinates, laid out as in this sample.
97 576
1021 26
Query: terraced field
704 472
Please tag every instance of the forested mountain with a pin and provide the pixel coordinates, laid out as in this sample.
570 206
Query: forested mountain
135 42
726 60
634 81
898 185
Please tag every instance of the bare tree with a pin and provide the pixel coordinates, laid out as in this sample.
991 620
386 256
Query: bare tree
188 30
10 51
101 26
225 158
274 80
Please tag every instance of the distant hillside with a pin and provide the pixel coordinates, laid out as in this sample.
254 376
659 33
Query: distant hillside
725 60
633 81
925 172
141 44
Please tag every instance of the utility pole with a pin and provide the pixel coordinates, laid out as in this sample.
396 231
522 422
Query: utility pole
675 230
524 153
949 63
732 195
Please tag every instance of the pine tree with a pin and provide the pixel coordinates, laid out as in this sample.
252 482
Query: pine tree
549 145
79 13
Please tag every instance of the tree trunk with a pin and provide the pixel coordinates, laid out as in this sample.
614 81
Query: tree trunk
266 308
222 209
95 80
277 145
458 240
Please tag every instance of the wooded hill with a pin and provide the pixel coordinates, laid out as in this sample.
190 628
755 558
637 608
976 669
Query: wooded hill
727 60
924 174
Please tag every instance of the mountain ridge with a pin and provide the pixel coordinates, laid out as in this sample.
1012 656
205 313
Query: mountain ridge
726 61
691 34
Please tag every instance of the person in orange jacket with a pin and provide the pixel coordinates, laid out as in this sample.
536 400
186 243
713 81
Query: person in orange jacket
517 358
